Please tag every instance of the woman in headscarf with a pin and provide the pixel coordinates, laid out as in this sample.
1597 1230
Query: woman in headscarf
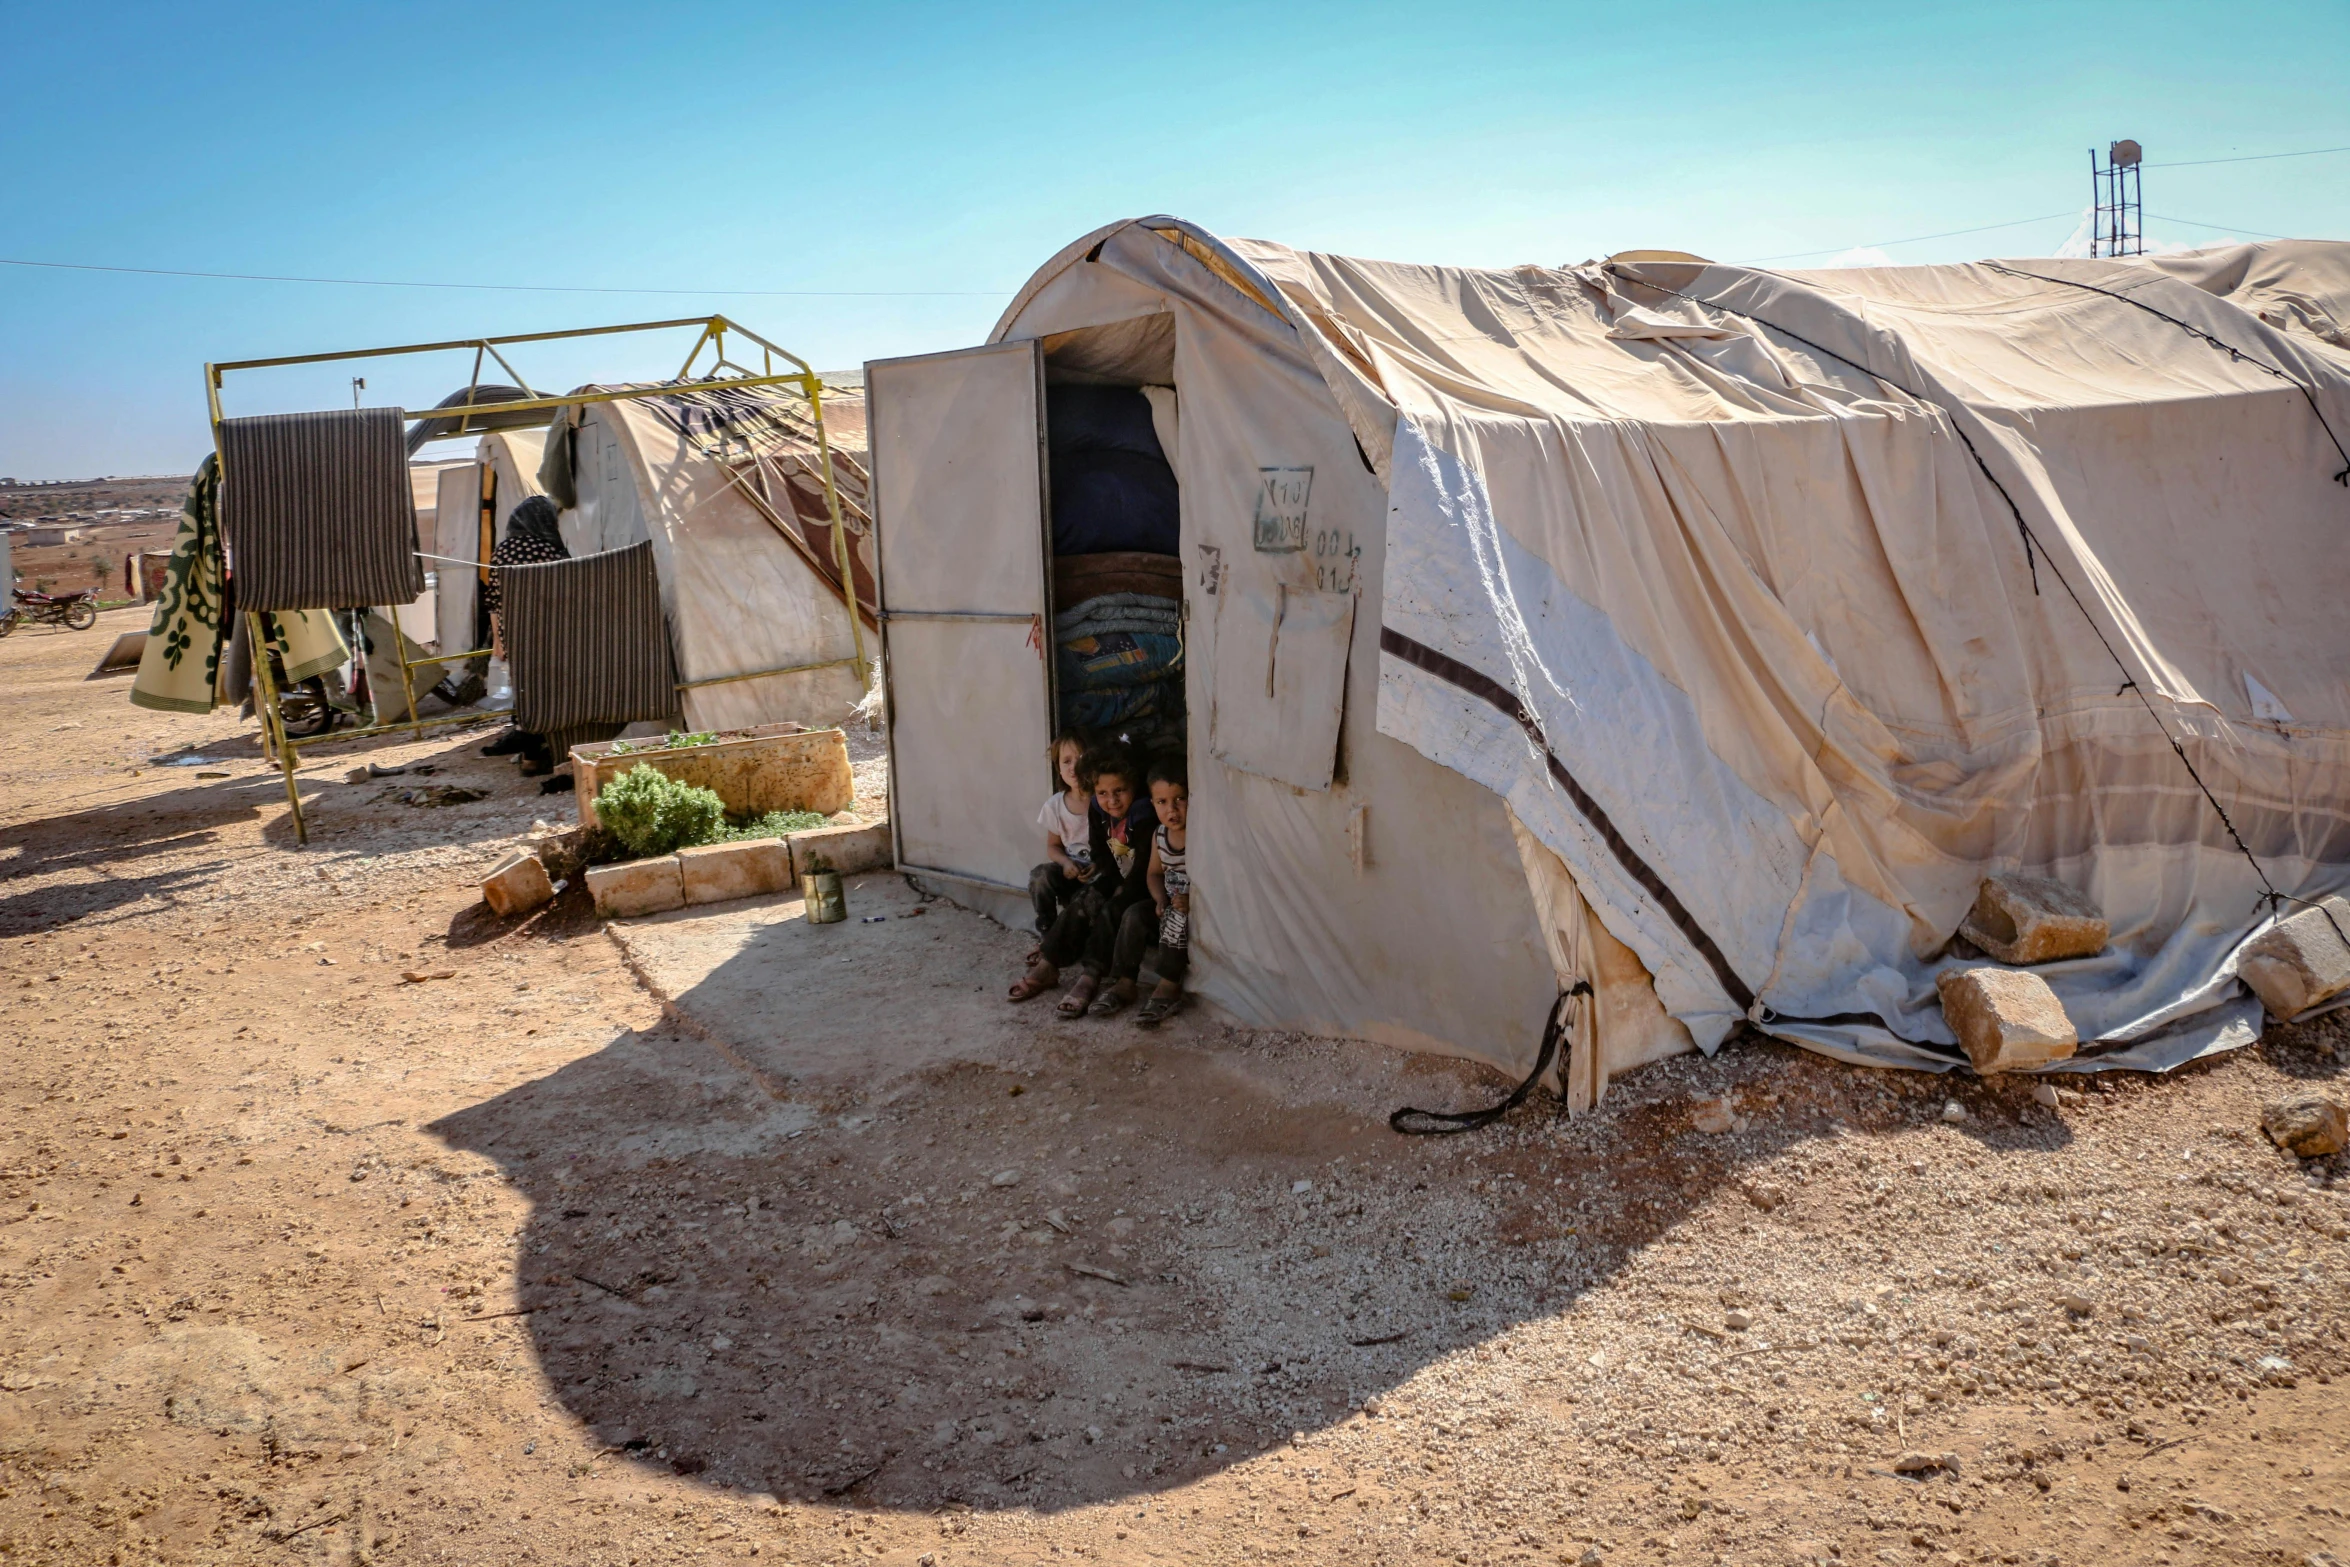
532 538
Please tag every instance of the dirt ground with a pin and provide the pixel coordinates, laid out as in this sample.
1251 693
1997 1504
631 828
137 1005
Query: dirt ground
341 1223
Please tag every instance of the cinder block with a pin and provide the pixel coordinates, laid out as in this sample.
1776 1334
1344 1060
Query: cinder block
518 885
863 847
2007 1020
2299 963
636 887
719 872
2030 919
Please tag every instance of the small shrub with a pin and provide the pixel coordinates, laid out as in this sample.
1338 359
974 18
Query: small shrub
651 813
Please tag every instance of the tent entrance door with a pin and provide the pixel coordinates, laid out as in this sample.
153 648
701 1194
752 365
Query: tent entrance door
960 523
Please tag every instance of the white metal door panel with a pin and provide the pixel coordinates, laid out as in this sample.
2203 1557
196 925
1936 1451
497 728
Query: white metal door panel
959 501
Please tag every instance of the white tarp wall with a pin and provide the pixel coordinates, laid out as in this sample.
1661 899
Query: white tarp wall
456 539
740 600
1799 683
1720 578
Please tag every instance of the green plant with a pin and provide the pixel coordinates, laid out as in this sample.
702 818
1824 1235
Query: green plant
775 824
675 742
652 813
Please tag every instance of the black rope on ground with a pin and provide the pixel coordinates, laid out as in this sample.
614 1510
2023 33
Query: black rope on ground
2225 347
1443 1123
2269 893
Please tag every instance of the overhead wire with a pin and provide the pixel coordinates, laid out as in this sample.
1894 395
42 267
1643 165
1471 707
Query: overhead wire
527 288
2250 157
1876 244
2190 163
2223 228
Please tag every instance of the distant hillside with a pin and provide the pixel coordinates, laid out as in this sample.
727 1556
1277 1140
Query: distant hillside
78 500
117 516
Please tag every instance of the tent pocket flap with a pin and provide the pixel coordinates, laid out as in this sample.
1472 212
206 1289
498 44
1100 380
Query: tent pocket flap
1278 683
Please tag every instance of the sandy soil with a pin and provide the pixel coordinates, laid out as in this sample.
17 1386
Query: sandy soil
735 1237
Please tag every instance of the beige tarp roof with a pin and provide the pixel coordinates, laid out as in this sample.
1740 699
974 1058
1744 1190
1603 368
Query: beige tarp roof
2294 285
1782 608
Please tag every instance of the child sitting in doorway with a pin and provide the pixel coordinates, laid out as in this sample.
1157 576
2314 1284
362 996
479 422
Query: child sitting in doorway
1085 927
1068 839
1157 935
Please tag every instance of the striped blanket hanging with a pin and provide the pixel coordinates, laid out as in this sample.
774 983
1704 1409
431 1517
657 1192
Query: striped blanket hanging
586 641
317 511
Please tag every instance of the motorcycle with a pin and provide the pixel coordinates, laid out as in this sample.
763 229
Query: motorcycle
74 611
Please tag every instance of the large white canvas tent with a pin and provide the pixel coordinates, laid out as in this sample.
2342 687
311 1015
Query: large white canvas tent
726 487
1700 632
503 474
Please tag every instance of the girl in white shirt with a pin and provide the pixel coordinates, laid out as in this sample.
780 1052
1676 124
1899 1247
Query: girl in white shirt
1068 848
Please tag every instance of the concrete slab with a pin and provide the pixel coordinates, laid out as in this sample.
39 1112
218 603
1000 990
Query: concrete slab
852 1005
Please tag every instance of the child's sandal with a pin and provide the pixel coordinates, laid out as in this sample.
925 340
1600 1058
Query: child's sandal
1157 1009
1028 987
1080 997
1111 1002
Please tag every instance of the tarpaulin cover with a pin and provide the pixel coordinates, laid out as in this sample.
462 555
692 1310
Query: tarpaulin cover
1781 609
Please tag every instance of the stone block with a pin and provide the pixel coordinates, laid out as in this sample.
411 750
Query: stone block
2299 963
859 847
721 872
2007 1020
636 887
773 767
2030 919
2306 1125
519 884
559 849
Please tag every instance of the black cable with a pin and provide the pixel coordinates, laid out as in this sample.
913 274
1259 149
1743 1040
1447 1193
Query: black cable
2231 350
1443 1123
2269 893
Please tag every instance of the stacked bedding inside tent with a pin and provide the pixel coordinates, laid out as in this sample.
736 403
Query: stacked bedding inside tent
1117 581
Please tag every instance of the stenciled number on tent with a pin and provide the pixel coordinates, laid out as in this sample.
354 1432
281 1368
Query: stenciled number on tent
1281 509
1335 556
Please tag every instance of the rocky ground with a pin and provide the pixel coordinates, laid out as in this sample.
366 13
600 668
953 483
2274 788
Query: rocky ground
340 1222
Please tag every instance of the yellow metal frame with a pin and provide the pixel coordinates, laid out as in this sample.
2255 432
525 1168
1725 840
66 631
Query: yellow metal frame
723 373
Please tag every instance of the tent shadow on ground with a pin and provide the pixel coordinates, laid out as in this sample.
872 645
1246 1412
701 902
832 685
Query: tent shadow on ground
1080 1273
107 837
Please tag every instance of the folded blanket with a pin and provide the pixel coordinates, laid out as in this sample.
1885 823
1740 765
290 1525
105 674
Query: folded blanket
1119 612
587 642
317 510
1156 701
1121 658
1077 578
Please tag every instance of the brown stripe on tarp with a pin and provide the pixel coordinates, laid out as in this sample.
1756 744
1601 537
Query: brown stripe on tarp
1494 694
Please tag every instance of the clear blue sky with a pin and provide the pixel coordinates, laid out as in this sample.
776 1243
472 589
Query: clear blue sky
954 147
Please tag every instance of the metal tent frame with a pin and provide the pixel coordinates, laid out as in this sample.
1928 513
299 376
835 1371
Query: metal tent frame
458 420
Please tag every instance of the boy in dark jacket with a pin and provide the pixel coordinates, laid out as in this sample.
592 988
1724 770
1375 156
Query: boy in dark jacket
1085 930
